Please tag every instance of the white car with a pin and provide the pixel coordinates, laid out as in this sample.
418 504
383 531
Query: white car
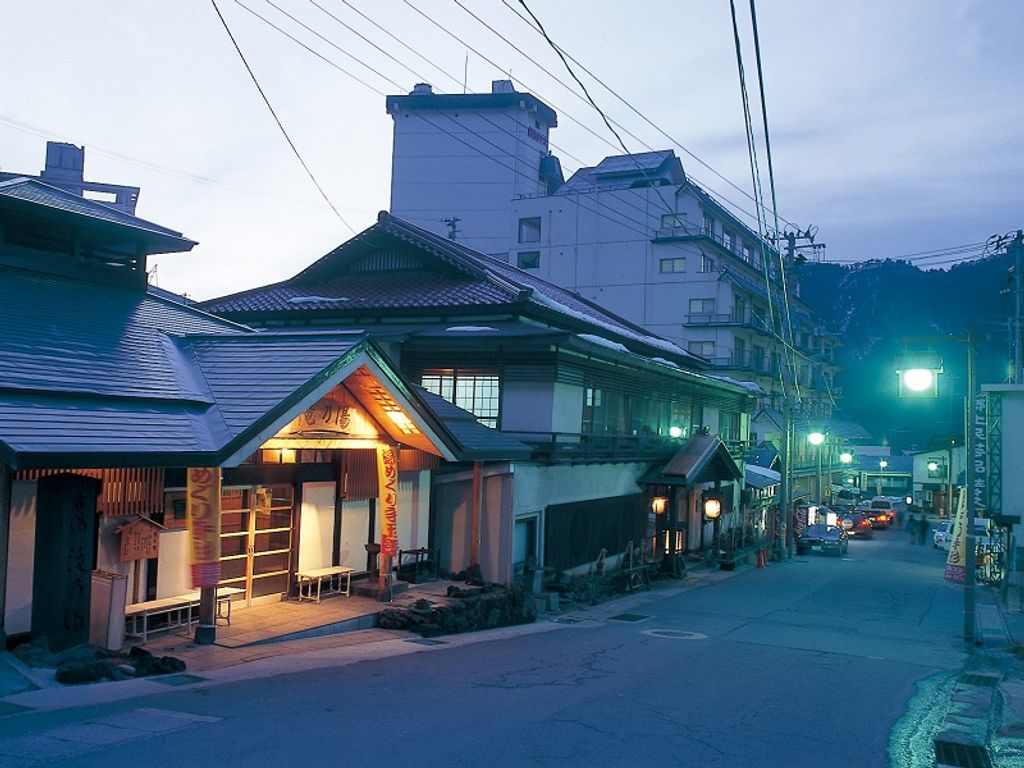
941 534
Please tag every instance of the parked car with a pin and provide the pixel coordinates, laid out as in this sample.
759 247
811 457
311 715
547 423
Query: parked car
827 539
883 512
857 524
941 534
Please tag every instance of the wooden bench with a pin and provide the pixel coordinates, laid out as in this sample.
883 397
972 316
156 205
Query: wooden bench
332 574
178 610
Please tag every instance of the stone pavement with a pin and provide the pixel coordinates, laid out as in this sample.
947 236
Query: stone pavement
984 721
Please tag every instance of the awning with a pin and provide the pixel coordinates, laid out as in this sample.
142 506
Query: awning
761 477
704 459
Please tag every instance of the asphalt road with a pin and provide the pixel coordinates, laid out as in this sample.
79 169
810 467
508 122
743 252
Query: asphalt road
818 661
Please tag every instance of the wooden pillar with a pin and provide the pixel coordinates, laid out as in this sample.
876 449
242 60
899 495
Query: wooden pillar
474 513
6 476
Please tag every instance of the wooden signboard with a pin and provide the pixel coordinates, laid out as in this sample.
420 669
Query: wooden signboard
140 539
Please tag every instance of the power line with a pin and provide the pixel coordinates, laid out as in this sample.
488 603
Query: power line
277 120
604 117
647 120
44 133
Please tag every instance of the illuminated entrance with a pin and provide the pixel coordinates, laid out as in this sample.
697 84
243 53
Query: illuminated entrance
256 539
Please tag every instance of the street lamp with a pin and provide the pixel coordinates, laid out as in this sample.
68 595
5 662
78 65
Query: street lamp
915 384
816 439
882 464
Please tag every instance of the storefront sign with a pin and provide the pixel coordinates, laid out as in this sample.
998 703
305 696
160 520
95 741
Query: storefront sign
140 540
387 483
333 421
979 453
203 506
956 561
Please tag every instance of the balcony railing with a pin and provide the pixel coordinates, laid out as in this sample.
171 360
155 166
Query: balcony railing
570 446
747 361
743 319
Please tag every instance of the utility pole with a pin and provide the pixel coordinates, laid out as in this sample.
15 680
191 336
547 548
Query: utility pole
452 224
1016 249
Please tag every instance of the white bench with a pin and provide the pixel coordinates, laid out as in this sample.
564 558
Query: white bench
177 609
333 575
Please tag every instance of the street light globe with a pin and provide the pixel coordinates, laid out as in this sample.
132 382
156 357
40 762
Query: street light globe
918 379
675 431
883 464
933 466
816 438
846 457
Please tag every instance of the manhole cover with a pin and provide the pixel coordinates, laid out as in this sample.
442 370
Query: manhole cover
675 634
179 679
961 755
985 681
629 617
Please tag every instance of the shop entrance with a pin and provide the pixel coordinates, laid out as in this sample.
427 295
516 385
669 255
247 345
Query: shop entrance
256 539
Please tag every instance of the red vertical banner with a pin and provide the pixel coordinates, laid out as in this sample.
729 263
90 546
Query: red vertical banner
387 485
203 512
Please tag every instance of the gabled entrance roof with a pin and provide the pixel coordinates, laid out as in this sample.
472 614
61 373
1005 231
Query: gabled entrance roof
704 459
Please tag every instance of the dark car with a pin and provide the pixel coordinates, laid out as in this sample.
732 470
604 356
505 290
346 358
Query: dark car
857 524
827 539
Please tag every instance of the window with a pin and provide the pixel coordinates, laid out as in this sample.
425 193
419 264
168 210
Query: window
529 230
729 240
673 221
709 225
677 264
702 306
748 254
703 348
478 392
528 260
729 425
706 263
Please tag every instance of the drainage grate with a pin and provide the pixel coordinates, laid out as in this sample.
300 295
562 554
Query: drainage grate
984 681
961 755
629 617
425 641
179 679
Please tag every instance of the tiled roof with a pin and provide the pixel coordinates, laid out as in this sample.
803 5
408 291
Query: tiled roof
59 335
38 193
462 278
476 441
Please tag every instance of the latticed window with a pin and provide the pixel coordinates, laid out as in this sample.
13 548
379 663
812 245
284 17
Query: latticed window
478 392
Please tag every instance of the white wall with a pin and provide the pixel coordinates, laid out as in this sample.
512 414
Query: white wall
174 572
536 487
527 406
316 526
355 524
21 558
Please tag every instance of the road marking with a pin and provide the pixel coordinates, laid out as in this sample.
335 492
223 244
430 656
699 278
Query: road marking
675 634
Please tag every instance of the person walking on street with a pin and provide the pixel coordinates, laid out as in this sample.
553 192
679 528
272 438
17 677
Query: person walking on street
912 528
922 529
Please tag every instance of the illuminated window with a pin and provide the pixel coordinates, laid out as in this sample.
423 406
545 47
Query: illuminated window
478 392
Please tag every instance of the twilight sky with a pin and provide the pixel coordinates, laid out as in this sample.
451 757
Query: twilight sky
897 126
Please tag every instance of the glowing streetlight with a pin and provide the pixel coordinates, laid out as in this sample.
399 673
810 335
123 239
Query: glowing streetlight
817 439
846 457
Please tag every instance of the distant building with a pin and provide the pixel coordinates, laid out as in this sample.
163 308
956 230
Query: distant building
633 234
65 169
